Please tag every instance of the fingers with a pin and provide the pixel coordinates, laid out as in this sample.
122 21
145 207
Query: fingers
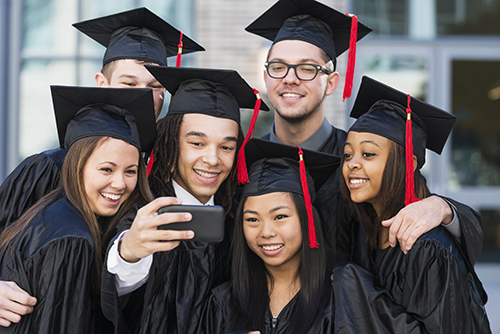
14 303
144 238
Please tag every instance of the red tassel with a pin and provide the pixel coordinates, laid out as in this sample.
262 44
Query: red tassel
313 243
241 167
150 162
351 60
179 52
410 182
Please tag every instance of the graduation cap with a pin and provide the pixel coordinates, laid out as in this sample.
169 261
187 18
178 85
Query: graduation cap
415 124
313 22
274 167
213 92
138 34
122 113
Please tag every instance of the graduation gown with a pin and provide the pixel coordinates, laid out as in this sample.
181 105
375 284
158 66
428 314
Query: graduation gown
340 228
33 178
218 312
172 299
437 290
54 261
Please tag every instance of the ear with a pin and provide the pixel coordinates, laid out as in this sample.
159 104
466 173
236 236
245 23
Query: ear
333 83
415 163
100 80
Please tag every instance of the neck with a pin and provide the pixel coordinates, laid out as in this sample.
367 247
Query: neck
295 133
285 286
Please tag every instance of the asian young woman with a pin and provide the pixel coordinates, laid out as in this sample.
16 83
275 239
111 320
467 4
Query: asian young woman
279 280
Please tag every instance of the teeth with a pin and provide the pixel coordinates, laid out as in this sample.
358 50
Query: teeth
207 175
358 181
271 248
291 95
112 196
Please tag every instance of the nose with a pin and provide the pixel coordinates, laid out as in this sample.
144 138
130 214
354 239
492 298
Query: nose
267 230
118 181
211 156
291 77
353 163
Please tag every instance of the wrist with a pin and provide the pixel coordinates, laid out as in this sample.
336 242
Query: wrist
123 251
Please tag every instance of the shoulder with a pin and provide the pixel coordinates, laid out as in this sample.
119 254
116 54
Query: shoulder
59 222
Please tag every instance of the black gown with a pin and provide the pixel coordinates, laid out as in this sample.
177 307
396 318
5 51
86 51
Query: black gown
434 285
54 261
340 229
172 299
33 178
218 313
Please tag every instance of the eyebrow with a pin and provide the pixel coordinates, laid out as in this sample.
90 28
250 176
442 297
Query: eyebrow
203 135
301 61
270 211
113 164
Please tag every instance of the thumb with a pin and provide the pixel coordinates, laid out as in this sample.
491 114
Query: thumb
388 222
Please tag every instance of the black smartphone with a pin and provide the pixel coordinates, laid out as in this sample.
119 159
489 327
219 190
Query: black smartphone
207 222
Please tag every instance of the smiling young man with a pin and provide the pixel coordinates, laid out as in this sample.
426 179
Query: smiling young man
308 32
132 39
165 282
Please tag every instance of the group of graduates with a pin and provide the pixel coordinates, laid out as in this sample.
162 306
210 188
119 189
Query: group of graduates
326 231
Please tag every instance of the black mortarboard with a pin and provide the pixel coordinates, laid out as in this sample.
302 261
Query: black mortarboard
274 167
392 114
213 92
309 21
137 34
387 118
123 113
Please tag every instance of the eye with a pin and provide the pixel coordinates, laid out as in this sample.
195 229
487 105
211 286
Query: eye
128 84
227 148
279 217
156 86
131 172
368 154
347 156
196 144
106 169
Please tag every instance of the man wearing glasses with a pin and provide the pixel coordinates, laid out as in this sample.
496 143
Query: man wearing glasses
300 73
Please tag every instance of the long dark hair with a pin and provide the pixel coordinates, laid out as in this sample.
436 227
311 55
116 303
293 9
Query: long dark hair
392 190
166 153
250 293
73 187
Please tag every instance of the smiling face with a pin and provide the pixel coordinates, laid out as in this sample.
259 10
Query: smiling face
365 157
271 225
110 175
207 147
131 73
295 100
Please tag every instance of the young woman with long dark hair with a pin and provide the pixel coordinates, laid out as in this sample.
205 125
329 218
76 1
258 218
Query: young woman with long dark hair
279 280
433 283
54 251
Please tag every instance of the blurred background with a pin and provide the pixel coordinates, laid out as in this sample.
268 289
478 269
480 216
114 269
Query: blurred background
445 52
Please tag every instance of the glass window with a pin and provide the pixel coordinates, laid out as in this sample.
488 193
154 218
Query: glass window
491 229
430 18
475 138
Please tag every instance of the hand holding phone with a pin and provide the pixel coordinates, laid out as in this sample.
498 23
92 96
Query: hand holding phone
207 222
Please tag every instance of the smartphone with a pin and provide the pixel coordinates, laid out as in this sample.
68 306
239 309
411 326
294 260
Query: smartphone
207 222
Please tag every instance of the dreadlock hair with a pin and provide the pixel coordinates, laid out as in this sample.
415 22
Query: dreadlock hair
166 154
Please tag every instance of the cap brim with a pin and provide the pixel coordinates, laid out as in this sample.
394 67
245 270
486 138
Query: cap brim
270 22
437 121
320 165
172 77
68 100
101 29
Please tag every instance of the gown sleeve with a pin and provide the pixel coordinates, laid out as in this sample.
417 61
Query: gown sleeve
471 225
438 288
34 178
60 276
363 306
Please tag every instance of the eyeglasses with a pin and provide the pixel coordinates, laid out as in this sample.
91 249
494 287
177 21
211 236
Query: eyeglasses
304 72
